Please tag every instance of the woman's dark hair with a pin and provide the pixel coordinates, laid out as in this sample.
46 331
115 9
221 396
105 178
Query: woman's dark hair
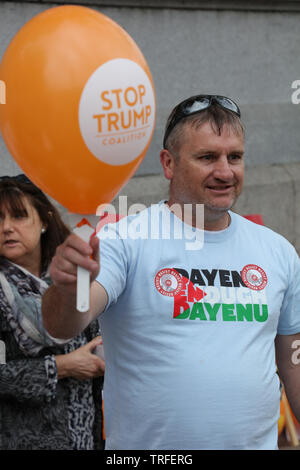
13 189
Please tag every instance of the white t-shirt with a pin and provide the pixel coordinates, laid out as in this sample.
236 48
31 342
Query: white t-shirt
189 334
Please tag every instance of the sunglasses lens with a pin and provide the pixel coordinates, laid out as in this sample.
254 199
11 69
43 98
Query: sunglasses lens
228 104
196 105
19 179
22 179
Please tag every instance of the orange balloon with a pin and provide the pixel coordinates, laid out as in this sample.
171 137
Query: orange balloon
80 105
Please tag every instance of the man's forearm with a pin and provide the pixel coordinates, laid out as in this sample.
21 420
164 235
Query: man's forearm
291 382
288 364
60 316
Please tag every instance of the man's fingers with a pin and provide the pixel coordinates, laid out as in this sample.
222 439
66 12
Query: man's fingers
70 258
72 253
94 244
74 245
62 278
74 241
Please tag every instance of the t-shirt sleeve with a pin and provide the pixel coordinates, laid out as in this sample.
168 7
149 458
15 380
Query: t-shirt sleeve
113 262
289 320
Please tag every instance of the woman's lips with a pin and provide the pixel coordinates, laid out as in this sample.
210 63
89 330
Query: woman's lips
10 242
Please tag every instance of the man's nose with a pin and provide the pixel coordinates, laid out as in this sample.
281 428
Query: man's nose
222 169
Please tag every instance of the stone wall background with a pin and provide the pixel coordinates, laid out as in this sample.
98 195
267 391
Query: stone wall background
246 50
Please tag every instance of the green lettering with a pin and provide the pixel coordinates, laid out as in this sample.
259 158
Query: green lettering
263 316
212 311
244 312
184 314
228 312
198 312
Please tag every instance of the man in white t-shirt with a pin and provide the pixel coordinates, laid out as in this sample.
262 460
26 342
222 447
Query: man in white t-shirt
195 322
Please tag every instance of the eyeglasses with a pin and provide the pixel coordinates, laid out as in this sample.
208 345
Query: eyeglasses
23 180
195 105
19 178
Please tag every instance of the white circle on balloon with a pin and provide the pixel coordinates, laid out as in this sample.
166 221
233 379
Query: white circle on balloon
117 112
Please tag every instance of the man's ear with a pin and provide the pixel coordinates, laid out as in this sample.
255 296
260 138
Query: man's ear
168 163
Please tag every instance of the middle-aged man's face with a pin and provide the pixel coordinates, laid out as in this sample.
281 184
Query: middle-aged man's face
209 170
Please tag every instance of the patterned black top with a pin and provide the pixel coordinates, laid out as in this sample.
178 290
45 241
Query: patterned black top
38 411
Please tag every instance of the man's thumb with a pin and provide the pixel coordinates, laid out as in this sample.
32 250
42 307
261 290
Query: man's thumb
94 244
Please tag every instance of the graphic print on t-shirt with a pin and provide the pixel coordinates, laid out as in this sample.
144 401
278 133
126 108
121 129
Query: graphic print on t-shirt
254 277
168 282
225 295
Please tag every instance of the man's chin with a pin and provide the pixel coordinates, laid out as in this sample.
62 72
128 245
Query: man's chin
219 208
214 212
222 203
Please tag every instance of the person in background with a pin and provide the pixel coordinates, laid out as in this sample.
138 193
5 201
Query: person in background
50 390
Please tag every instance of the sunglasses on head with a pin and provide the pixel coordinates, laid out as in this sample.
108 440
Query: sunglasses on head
195 105
19 179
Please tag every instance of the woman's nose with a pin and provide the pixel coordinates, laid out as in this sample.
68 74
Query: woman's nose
7 224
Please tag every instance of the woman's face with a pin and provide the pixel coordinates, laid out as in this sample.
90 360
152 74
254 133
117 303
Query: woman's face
20 236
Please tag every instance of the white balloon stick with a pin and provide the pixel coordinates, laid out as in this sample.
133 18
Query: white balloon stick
83 276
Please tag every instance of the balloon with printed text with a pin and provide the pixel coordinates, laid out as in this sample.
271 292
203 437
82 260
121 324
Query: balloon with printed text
80 105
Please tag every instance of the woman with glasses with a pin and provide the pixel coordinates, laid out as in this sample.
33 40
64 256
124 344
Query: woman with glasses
50 390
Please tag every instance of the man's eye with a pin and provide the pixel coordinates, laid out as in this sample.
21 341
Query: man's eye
206 157
235 157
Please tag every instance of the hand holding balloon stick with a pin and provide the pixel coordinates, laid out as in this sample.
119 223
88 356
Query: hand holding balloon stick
80 108
84 231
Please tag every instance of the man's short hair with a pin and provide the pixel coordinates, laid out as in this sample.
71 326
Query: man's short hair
217 116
